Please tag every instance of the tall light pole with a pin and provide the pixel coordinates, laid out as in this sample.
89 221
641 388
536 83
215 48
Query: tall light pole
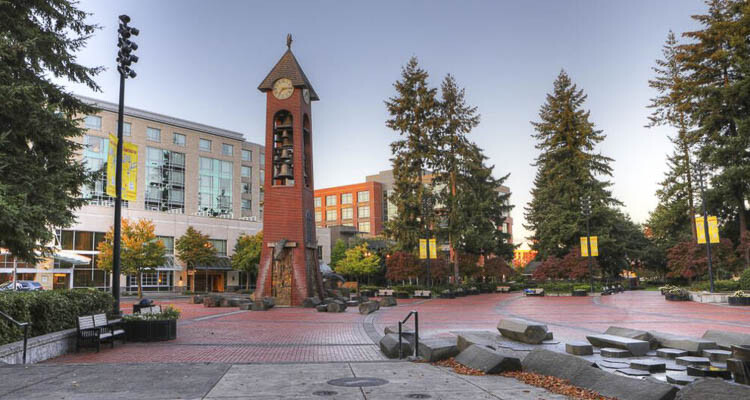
699 172
124 60
425 210
586 207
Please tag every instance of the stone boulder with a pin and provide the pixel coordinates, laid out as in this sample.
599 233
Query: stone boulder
714 389
389 346
311 302
336 306
368 307
725 339
487 360
247 306
388 301
634 346
322 308
211 301
197 299
692 345
579 349
263 305
436 349
587 375
482 338
632 334
522 330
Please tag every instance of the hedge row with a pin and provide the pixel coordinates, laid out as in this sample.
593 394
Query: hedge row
49 310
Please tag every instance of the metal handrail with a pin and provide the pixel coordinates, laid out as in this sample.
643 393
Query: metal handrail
416 333
25 326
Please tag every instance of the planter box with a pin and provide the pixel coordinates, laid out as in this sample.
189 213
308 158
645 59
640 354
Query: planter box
579 293
150 331
739 301
676 297
402 295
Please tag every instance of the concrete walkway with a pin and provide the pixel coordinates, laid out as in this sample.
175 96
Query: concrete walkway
400 380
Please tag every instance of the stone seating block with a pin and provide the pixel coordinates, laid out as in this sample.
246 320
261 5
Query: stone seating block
692 345
336 306
436 349
483 338
670 354
522 330
389 346
406 333
692 360
197 299
633 334
311 302
388 301
725 339
709 372
680 378
487 360
611 352
649 365
740 370
716 355
322 308
634 346
368 307
579 349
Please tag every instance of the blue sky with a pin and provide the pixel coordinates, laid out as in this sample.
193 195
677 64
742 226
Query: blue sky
203 60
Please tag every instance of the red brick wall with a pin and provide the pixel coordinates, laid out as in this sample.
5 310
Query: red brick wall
375 203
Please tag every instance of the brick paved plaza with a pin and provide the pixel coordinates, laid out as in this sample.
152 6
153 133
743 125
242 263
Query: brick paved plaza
304 335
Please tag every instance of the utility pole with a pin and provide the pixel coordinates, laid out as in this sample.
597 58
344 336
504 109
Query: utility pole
124 60
705 227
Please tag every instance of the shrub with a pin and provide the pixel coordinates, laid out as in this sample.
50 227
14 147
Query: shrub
49 311
167 313
745 280
741 293
720 286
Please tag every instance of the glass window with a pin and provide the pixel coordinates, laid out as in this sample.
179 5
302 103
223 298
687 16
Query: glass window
262 177
94 122
95 159
246 188
247 172
165 180
331 200
331 215
318 216
347 213
363 196
262 158
247 155
204 144
153 134
227 149
215 186
178 139
316 202
246 205
84 241
364 226
168 242
348 223
126 128
363 212
220 245
346 198
66 240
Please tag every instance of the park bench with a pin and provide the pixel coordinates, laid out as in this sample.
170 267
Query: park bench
150 310
502 289
95 329
423 293
534 292
385 292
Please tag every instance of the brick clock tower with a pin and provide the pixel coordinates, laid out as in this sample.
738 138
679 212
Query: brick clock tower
289 270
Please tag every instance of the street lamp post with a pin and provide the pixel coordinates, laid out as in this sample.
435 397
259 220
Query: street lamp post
425 208
586 205
699 171
124 60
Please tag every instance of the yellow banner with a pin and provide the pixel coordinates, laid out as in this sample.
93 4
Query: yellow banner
594 246
422 249
433 248
129 169
700 230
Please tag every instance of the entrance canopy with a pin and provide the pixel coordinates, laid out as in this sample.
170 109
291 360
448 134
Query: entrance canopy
222 263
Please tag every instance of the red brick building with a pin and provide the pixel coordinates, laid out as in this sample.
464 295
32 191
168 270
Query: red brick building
359 205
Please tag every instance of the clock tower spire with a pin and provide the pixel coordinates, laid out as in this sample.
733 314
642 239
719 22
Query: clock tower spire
289 270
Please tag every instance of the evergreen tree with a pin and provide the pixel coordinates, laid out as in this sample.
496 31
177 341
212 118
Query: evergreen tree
718 60
567 169
246 255
40 184
672 218
413 114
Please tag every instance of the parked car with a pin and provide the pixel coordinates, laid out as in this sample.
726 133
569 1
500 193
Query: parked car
23 286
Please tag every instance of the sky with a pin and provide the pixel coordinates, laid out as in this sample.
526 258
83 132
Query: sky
203 60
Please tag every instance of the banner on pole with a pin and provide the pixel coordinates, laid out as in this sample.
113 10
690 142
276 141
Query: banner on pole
713 229
129 169
700 230
594 246
433 248
422 249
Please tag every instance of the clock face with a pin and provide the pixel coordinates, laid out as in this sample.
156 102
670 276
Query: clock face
283 89
306 95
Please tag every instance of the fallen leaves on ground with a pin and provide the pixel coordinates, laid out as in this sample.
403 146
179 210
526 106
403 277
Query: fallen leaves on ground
551 383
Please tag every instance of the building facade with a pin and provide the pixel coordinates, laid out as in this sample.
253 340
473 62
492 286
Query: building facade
359 205
189 174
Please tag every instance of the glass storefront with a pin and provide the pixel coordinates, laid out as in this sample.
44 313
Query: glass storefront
165 180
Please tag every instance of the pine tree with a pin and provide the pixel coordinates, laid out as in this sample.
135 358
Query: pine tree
567 169
413 114
672 107
40 184
718 59
670 220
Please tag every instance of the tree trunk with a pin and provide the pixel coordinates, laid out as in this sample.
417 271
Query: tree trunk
743 229
140 288
247 281
206 283
691 205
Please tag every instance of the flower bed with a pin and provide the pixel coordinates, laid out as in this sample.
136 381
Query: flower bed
739 298
154 327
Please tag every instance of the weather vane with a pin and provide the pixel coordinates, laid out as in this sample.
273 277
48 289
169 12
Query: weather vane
289 41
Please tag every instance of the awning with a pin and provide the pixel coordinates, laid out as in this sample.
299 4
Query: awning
169 264
222 263
71 257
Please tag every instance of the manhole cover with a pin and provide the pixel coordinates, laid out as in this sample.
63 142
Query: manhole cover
357 382
418 396
325 393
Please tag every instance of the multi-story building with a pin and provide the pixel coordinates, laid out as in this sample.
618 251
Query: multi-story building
189 174
359 205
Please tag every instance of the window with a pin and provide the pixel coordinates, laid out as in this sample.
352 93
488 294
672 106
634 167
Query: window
94 122
348 223
346 198
246 188
153 134
363 197
262 158
126 129
331 200
215 186
204 145
95 159
178 139
363 212
165 180
168 242
227 149
331 215
364 226
247 155
246 205
220 245
246 171
316 202
347 213
262 176
318 216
